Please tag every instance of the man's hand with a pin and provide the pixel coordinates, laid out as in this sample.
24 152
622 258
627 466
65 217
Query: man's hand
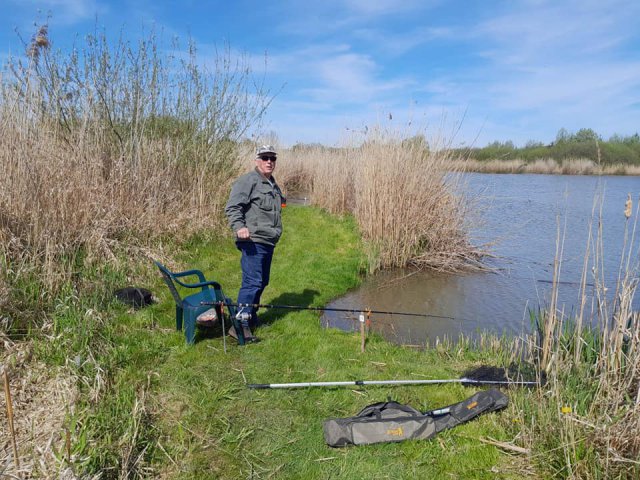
243 233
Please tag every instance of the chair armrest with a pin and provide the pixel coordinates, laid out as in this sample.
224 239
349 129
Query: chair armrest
187 273
198 285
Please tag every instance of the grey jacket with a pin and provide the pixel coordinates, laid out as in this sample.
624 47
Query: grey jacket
256 203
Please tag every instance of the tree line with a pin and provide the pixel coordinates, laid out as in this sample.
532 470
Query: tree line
585 143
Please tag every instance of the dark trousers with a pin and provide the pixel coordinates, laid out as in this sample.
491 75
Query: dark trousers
256 267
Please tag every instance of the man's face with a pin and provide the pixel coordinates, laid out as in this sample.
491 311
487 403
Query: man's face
266 164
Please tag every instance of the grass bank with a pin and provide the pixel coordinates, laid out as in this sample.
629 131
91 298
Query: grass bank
146 405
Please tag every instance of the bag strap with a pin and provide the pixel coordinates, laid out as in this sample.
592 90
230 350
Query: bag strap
376 409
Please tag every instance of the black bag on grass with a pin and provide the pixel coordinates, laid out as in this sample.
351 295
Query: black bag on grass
394 422
134 296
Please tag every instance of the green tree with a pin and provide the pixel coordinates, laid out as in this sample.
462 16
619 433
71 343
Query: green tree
585 135
562 136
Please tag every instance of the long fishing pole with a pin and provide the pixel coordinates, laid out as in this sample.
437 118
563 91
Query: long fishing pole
481 375
464 381
325 309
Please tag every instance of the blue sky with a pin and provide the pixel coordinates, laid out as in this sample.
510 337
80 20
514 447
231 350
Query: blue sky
499 70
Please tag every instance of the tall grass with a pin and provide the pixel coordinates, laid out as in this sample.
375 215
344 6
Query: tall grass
407 202
108 146
585 423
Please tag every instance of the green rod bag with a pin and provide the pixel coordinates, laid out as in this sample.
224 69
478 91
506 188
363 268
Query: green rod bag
394 422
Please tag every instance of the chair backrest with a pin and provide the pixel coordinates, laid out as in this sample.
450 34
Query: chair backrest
167 276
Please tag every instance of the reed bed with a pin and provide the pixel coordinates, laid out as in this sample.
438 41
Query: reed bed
41 400
109 147
410 207
104 152
549 166
585 422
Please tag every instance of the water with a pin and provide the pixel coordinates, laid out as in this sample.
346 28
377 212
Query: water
521 213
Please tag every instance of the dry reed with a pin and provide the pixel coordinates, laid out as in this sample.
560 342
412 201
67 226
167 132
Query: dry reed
600 363
549 166
43 397
408 205
106 148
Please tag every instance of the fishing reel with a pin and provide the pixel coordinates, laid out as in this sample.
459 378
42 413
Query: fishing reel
244 317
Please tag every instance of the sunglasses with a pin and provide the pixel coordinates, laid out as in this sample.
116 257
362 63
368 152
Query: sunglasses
266 159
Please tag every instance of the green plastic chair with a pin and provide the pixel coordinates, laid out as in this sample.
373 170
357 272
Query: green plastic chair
189 307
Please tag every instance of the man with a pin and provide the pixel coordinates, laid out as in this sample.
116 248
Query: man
254 213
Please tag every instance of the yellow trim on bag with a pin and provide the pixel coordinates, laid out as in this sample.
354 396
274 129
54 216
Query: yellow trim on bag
397 432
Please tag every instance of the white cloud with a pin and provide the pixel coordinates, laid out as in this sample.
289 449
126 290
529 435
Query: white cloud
400 42
553 31
329 74
63 12
543 65
573 84
300 61
538 104
319 19
349 76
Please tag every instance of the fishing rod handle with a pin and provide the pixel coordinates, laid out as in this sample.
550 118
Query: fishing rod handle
496 382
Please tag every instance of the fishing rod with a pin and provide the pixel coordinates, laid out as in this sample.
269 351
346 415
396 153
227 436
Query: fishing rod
324 309
464 381
481 375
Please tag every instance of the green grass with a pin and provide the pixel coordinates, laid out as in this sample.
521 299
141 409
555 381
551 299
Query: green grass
151 405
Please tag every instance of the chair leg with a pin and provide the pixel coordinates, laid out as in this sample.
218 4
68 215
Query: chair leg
179 316
190 326
237 324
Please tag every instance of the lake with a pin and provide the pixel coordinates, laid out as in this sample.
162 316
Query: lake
522 215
